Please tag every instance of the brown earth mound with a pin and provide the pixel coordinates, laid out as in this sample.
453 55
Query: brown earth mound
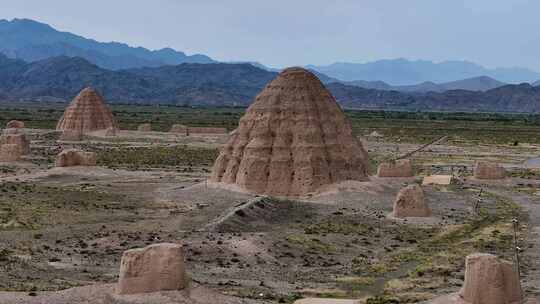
398 168
410 202
87 113
486 170
10 152
15 124
144 127
74 157
154 268
17 139
489 280
293 140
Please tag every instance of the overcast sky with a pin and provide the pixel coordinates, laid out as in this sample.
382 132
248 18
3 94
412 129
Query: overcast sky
494 33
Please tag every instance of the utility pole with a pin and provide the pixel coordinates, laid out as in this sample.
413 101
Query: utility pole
515 223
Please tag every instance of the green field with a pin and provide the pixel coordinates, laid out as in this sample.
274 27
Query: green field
414 127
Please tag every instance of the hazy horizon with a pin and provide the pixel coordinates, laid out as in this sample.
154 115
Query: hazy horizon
490 33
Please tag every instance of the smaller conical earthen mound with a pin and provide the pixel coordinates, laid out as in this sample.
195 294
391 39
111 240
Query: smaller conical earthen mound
487 170
87 113
157 267
489 280
10 153
74 157
17 139
395 168
293 140
410 202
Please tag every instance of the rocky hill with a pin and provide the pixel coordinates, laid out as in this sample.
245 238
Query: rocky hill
184 84
523 98
221 84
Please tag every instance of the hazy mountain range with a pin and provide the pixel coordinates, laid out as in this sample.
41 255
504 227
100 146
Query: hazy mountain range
31 41
522 98
481 83
41 63
220 84
405 72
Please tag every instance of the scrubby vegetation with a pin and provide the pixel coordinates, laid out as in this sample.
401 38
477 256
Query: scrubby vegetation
414 127
157 156
32 206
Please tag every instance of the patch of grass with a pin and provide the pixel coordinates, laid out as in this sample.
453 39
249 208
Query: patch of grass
31 206
382 300
336 227
310 243
526 173
7 169
442 255
161 157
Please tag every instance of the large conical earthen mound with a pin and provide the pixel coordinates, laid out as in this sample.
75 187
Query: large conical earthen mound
87 113
293 140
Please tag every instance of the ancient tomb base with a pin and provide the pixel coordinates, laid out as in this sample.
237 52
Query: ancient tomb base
397 168
10 152
74 157
489 280
487 170
410 202
17 139
293 140
154 268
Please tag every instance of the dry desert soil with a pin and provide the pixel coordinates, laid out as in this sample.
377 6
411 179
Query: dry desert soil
63 230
